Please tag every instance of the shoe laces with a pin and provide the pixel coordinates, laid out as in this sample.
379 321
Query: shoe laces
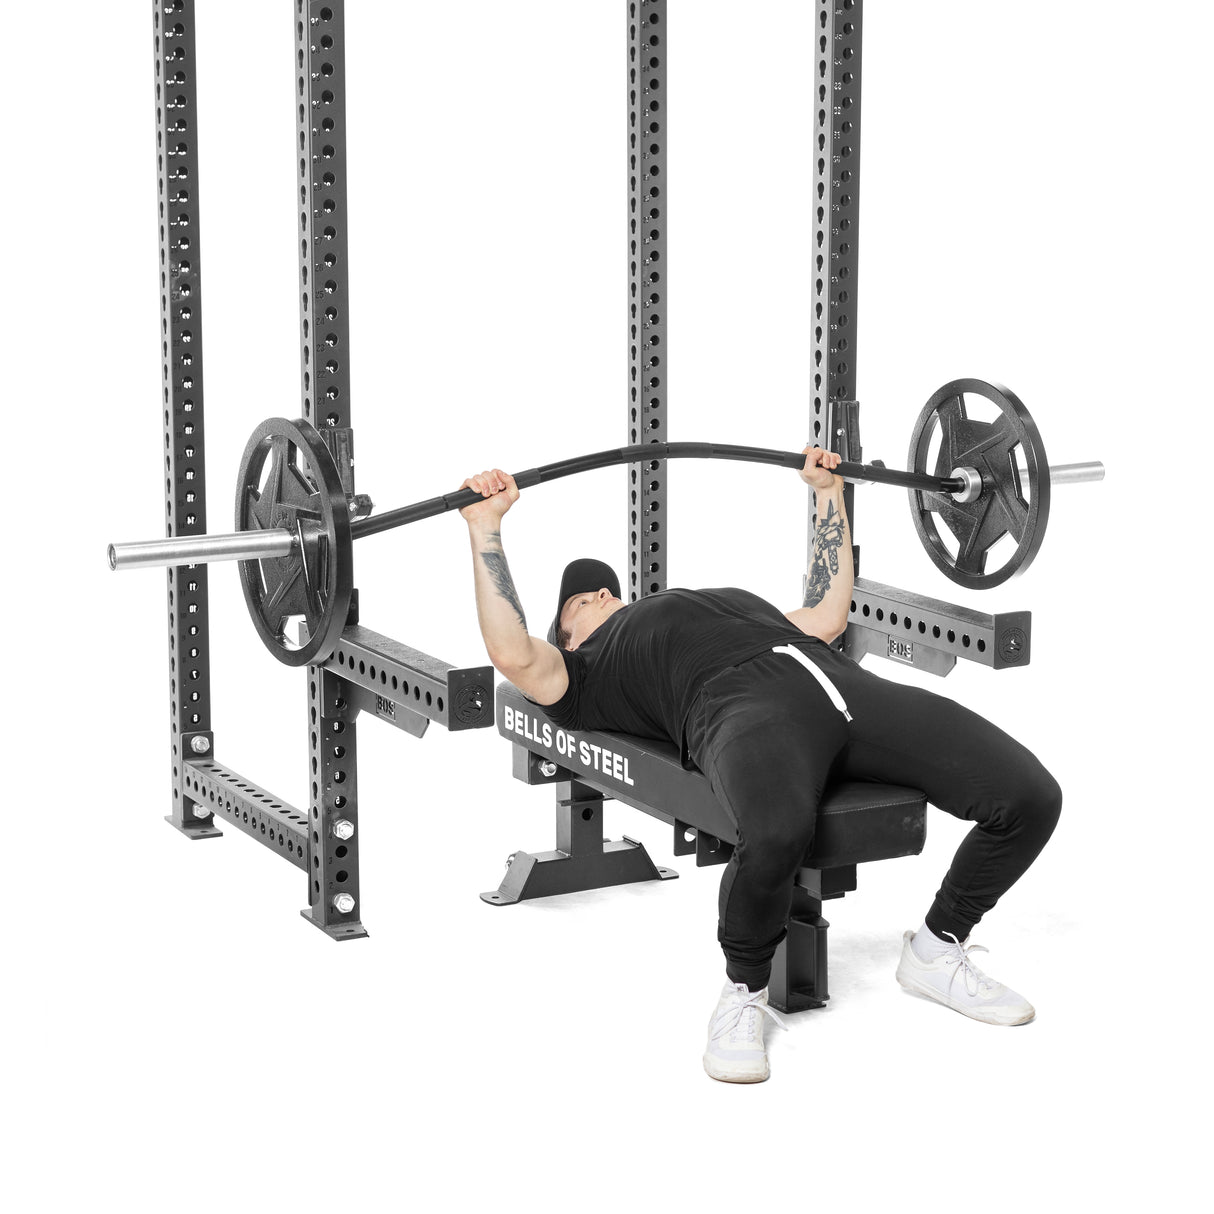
959 959
741 1019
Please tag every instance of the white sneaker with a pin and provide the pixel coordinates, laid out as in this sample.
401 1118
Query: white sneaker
954 980
736 1053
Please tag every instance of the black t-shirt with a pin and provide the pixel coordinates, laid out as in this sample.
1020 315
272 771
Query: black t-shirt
640 671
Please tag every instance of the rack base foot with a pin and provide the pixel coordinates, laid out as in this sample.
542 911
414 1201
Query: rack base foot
201 829
338 931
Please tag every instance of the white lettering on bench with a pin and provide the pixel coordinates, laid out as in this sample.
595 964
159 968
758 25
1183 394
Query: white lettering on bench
527 727
599 758
596 758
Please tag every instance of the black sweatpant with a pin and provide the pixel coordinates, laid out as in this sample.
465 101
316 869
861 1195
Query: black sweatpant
769 739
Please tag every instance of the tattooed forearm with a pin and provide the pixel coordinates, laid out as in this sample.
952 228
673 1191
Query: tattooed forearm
828 539
499 571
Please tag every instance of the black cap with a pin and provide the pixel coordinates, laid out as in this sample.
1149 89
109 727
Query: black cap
586 574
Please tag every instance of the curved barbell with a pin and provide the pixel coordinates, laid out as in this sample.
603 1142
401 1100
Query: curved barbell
296 525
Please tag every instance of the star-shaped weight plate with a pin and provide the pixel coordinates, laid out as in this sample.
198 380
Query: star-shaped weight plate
1008 455
288 480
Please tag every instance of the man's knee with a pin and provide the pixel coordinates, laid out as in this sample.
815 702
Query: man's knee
772 852
1035 805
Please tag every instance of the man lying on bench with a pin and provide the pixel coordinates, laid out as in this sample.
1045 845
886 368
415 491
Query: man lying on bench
760 703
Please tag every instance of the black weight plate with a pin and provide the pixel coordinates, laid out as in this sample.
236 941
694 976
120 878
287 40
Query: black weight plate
1002 508
288 479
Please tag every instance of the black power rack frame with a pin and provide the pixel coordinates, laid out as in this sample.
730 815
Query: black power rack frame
369 672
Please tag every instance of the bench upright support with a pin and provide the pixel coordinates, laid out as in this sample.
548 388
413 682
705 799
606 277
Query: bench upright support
798 970
583 859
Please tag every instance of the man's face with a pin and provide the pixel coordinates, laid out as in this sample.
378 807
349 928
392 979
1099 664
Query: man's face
583 613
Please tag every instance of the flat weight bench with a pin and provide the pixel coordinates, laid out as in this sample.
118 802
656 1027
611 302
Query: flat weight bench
857 822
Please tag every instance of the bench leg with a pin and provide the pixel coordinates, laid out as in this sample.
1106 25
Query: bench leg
798 970
583 859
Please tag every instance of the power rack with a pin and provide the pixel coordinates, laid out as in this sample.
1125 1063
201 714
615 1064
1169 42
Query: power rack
369 673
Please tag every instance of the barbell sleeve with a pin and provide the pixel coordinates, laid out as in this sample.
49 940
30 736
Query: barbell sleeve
203 549
1076 474
1060 474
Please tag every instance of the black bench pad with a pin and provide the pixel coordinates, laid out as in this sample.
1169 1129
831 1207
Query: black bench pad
857 821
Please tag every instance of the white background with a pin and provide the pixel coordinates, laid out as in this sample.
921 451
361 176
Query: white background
1034 211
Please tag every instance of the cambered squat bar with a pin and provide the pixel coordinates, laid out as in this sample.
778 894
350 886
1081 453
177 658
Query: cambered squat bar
278 542
298 523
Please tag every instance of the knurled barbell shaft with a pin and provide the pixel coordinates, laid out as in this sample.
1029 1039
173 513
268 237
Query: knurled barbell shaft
204 549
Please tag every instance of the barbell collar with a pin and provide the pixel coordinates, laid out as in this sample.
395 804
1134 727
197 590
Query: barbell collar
971 479
203 549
